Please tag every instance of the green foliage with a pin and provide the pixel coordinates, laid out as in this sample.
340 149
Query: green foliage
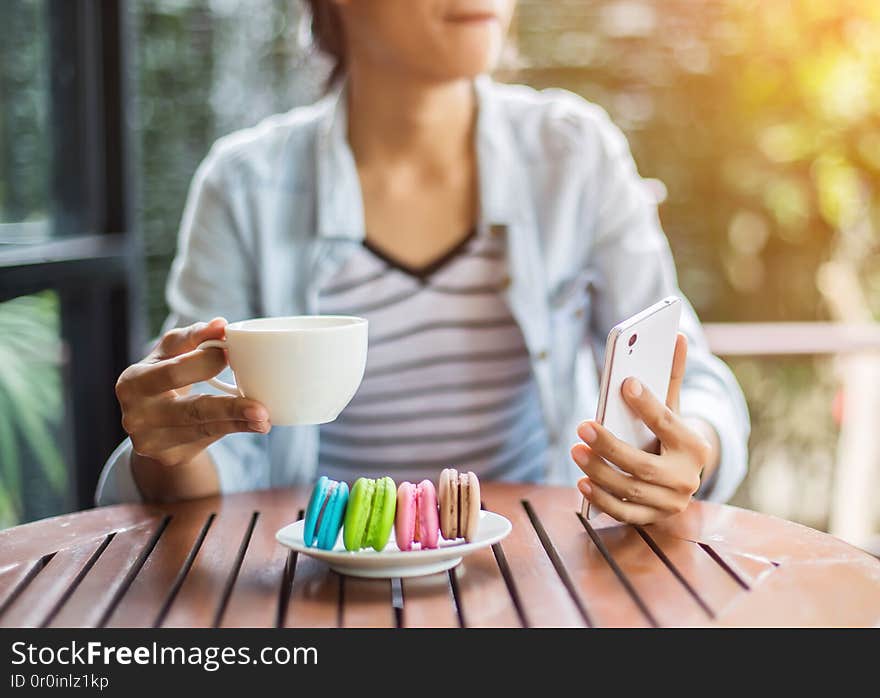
30 399
761 118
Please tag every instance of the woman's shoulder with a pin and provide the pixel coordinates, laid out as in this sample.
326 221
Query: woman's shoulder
556 119
264 150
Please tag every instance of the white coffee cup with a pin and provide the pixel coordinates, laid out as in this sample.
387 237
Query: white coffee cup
303 369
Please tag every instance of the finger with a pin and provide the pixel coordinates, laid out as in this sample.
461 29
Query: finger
627 488
635 461
679 360
184 339
159 441
659 418
625 512
176 372
197 409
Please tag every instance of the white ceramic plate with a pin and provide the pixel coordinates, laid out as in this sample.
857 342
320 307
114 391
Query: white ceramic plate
393 562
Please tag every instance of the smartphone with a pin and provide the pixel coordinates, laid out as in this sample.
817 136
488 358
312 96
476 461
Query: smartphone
642 347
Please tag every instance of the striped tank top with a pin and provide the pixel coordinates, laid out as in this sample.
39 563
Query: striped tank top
448 379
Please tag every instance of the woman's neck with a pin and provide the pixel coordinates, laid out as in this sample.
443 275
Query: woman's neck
400 120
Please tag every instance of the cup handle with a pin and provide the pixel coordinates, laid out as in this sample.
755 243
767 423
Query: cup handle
228 388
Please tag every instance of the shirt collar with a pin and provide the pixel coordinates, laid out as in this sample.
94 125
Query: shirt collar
501 194
340 212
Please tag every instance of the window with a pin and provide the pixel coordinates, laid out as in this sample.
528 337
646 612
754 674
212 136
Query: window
66 246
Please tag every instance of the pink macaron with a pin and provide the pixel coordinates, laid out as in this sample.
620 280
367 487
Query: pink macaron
417 519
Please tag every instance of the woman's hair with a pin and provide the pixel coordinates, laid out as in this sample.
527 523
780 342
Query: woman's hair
328 35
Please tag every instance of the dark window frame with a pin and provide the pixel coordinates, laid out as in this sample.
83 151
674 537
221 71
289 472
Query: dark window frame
93 259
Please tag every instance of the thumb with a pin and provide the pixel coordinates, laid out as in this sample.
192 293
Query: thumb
679 360
185 339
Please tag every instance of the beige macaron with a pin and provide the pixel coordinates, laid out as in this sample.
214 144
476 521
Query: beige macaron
459 495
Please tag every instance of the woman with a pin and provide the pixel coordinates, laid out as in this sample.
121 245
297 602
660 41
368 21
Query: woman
491 234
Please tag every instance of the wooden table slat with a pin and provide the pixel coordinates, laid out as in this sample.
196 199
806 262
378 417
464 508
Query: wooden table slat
89 603
428 602
483 596
200 596
545 600
758 535
605 599
142 603
40 538
366 603
666 598
811 594
715 586
314 596
751 569
12 578
255 598
35 604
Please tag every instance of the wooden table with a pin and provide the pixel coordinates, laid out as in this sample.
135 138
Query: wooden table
215 562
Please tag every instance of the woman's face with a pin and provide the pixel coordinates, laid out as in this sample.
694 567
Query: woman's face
435 39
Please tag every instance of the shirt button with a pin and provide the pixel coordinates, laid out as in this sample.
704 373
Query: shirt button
497 230
541 355
579 313
504 284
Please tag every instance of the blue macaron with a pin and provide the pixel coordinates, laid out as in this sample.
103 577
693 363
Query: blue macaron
325 513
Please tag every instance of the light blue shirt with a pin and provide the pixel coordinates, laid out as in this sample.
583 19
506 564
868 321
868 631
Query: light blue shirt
275 210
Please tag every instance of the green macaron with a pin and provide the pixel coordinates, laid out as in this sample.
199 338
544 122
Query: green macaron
370 514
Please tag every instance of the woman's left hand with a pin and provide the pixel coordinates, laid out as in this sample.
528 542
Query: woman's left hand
652 486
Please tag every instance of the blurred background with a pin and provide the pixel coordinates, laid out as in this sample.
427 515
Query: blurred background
755 122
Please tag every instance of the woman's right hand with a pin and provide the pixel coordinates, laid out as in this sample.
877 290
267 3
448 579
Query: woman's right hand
166 423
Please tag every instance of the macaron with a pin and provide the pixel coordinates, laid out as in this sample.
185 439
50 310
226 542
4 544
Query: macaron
370 514
325 512
417 519
459 505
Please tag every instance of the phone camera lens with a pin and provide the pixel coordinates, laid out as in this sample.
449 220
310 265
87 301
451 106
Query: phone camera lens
632 340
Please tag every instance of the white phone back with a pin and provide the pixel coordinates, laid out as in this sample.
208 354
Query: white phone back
649 360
